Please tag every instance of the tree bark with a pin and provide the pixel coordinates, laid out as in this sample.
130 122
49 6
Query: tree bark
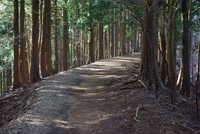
148 65
65 39
116 35
170 47
112 39
56 65
34 71
101 40
44 42
162 41
47 36
135 38
24 71
122 36
91 58
16 76
185 77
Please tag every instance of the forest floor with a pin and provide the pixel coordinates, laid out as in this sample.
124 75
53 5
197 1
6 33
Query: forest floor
94 99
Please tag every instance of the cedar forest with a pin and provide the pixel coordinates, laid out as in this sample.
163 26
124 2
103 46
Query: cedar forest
40 38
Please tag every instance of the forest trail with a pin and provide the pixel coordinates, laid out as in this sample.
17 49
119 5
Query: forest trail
88 100
70 102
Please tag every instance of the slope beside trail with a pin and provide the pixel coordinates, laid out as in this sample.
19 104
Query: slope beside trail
87 100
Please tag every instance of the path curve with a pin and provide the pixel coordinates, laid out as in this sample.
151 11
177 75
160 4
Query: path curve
70 102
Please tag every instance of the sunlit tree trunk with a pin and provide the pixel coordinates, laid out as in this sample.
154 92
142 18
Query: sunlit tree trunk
34 71
16 76
40 31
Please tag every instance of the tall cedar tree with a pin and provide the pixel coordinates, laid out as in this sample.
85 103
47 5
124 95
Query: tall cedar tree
170 46
148 66
45 40
48 37
112 38
16 81
34 72
56 64
122 34
162 40
24 71
91 52
185 74
65 39
101 40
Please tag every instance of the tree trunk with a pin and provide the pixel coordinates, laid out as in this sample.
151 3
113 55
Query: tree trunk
185 77
56 65
135 37
112 39
116 35
48 37
9 76
162 41
106 44
40 32
24 71
16 76
44 42
65 40
34 72
197 82
122 36
91 58
100 40
149 68
170 47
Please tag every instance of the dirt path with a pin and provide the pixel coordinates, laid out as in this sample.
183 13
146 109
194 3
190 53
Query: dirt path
87 100
70 102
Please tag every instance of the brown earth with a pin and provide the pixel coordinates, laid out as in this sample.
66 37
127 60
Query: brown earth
94 99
